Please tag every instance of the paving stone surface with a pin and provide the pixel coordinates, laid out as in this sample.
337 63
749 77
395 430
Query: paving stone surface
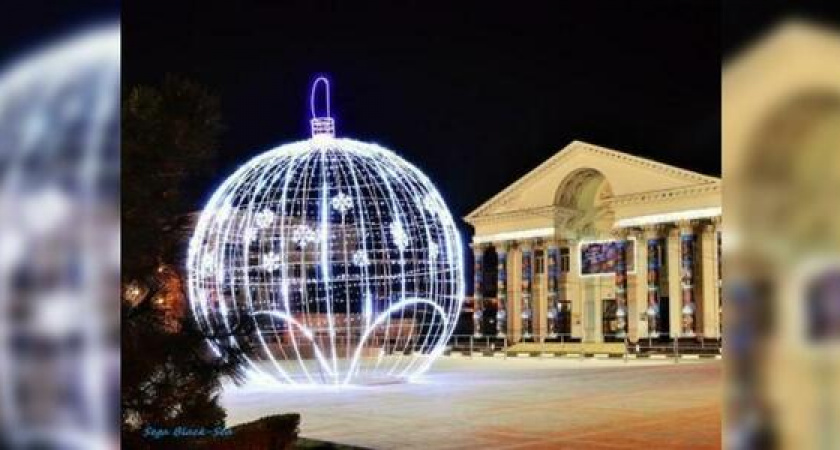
514 403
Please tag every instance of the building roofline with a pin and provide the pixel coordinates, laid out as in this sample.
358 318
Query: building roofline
580 146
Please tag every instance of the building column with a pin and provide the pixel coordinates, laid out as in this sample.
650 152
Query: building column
710 279
674 288
687 278
553 274
653 311
719 266
514 321
527 289
637 290
621 282
539 292
502 290
573 291
478 278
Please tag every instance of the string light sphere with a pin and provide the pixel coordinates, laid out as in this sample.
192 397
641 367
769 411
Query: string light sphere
336 259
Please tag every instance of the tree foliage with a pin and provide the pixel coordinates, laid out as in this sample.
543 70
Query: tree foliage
169 379
170 135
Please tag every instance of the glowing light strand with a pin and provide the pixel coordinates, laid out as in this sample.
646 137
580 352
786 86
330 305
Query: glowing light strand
343 256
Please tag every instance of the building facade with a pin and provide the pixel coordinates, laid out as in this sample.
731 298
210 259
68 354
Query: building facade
596 245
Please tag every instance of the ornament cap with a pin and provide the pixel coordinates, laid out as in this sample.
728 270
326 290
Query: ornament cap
323 126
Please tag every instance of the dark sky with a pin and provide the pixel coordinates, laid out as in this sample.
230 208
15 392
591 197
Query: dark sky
475 94
32 23
744 21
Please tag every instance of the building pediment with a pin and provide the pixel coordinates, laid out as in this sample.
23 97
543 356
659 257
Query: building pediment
629 177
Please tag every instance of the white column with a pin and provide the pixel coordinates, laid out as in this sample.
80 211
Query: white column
620 284
574 290
515 294
552 276
688 278
527 288
502 292
478 279
709 276
674 286
653 273
638 302
540 292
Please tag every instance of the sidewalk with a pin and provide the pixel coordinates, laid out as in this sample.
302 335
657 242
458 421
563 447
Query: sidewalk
515 403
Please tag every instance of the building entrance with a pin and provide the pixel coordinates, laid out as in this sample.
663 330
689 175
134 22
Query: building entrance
563 320
664 318
488 318
609 321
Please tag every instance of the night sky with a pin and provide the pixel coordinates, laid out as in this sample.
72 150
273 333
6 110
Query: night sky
745 21
33 23
475 95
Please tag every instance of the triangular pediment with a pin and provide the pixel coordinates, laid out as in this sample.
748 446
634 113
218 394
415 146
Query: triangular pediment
626 174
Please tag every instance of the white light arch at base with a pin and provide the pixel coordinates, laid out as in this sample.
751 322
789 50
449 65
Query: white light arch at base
340 257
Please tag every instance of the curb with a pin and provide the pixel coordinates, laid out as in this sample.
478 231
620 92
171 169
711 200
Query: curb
658 356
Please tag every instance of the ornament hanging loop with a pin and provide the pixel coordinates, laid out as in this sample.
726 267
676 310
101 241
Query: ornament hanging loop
323 126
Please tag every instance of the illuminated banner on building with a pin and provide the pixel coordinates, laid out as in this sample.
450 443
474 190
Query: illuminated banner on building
600 257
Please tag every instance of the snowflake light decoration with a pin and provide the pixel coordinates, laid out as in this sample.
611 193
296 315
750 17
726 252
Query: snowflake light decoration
431 204
399 236
263 218
208 264
360 258
342 255
271 261
249 235
303 235
225 211
342 202
434 250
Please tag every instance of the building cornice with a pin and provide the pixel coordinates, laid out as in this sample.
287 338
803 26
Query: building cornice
667 194
515 236
544 211
684 216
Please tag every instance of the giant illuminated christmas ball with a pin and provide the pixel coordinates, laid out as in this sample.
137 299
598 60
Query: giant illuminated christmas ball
334 260
60 242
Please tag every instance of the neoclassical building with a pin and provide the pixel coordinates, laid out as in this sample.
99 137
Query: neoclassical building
597 245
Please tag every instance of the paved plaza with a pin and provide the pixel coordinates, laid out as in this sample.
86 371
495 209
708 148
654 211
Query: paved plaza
514 403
